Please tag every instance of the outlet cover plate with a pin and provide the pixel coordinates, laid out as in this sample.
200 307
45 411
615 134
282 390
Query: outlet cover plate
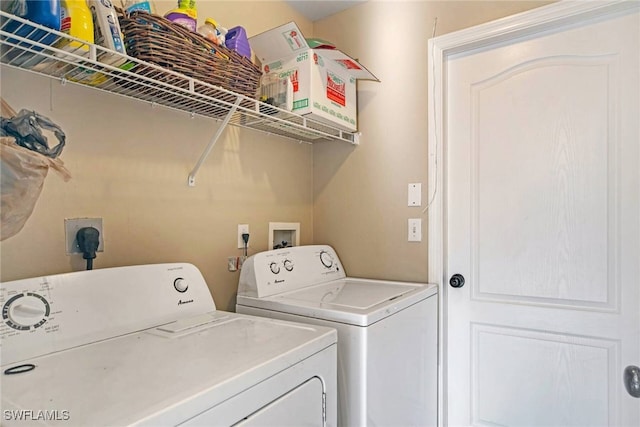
414 194
242 228
71 227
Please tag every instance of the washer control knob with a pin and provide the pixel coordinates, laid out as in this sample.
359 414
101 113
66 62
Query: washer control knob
275 268
180 284
326 259
288 265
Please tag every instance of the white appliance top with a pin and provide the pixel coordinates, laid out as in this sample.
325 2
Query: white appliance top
310 281
135 345
53 313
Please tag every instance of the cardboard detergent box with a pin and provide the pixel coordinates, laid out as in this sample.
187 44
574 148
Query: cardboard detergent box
324 78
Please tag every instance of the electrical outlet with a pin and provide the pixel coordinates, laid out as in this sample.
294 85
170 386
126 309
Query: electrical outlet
242 228
71 227
232 263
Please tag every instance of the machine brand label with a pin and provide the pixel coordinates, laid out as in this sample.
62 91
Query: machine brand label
180 302
279 281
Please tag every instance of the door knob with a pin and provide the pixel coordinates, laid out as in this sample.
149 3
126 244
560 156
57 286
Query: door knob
457 281
632 380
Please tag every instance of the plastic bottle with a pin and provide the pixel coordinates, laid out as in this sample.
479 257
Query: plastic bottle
185 14
222 35
144 5
236 39
77 22
277 91
208 30
43 12
107 31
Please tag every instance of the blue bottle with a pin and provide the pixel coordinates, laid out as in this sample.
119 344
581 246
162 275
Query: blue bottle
44 12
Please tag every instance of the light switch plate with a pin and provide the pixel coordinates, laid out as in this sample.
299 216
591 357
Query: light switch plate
415 194
415 229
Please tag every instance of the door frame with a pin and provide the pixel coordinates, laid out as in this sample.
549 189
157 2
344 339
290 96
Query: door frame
543 19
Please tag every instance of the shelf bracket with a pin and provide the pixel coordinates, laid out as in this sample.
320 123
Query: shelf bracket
212 143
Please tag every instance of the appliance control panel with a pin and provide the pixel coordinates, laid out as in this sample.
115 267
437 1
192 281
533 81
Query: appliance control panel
281 270
51 313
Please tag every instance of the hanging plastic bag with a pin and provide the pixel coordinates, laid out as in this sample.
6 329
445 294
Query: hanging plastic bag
22 176
26 127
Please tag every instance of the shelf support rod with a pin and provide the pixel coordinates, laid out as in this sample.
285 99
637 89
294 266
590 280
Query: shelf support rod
212 143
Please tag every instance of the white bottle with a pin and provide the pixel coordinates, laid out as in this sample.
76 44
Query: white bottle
289 97
107 31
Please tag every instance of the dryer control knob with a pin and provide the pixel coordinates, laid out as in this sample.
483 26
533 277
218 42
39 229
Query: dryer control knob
180 284
275 268
26 311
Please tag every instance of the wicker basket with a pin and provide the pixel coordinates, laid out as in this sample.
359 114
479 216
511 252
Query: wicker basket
157 40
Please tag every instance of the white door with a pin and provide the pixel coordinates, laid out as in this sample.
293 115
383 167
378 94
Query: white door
541 216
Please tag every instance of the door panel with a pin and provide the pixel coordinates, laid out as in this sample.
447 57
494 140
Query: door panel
572 394
542 217
563 165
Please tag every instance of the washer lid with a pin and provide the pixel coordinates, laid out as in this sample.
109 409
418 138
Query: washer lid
350 295
354 301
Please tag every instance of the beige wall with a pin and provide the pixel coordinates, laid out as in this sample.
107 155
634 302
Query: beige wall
360 193
130 161
130 164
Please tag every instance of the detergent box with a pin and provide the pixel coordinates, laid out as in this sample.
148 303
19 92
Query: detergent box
324 78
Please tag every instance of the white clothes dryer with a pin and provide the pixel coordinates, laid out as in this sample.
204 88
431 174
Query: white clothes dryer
387 330
144 345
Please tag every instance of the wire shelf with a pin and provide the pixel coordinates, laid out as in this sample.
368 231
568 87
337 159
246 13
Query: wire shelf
31 47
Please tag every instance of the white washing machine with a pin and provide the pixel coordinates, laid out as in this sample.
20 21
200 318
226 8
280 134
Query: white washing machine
144 345
387 331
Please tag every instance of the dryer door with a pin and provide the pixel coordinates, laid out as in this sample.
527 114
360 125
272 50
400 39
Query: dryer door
302 406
